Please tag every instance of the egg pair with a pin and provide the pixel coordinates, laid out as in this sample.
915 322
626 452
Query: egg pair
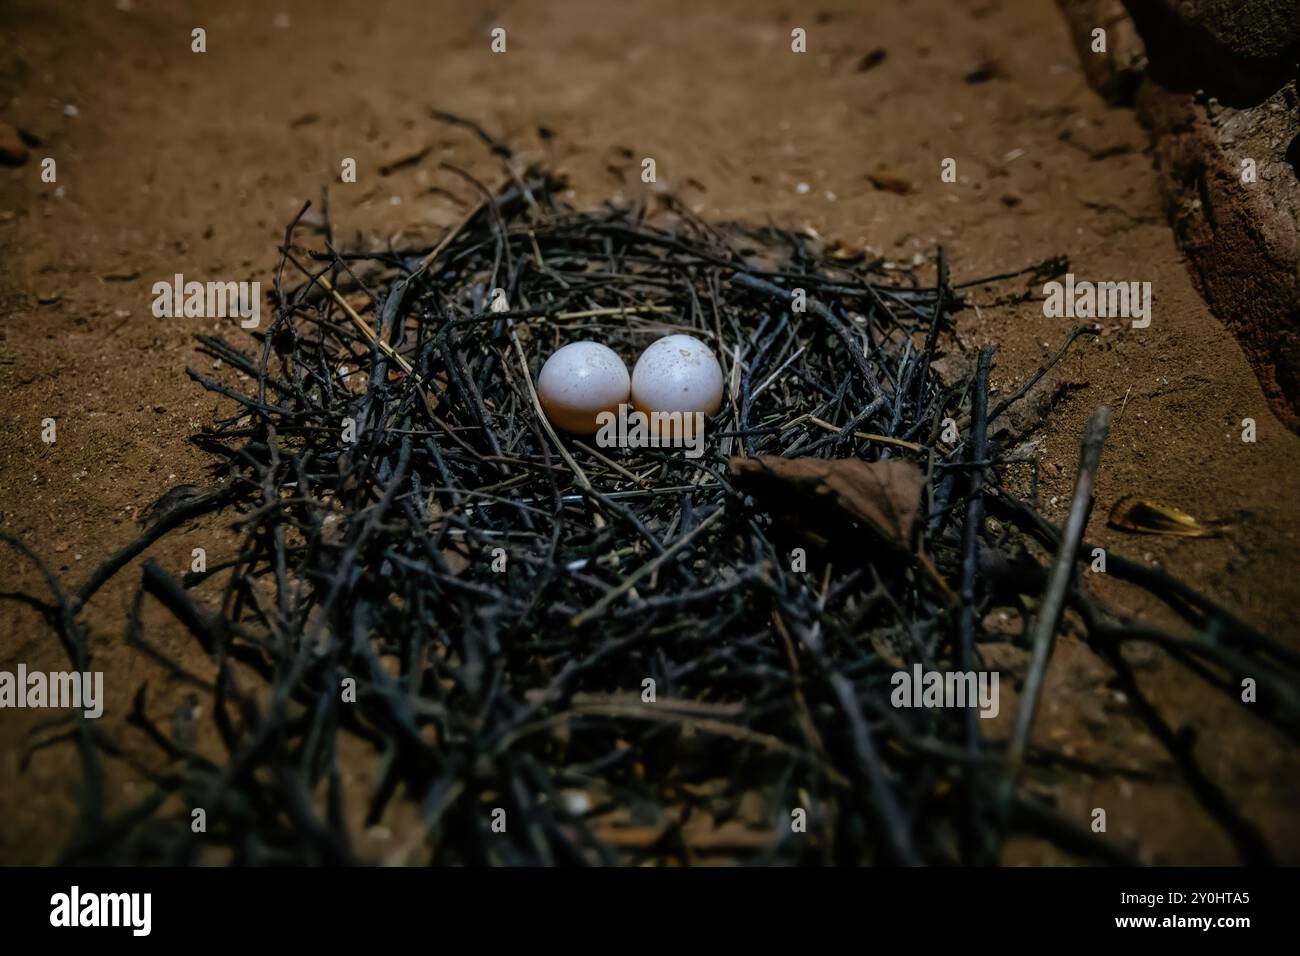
678 373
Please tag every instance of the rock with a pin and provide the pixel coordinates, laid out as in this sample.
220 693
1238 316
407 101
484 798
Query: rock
1116 72
13 151
1242 239
1240 53
888 181
1214 82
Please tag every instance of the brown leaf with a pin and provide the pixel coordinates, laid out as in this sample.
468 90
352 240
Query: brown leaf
1145 516
885 495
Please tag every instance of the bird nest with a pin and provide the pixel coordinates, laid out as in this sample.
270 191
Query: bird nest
515 646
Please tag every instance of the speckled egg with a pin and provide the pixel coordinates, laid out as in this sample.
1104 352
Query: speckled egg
678 373
578 382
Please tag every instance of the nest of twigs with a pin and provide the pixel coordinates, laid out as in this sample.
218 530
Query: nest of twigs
551 652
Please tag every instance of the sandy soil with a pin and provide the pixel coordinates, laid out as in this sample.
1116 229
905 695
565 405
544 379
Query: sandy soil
181 162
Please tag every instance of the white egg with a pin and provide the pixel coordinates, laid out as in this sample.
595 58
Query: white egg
678 373
580 381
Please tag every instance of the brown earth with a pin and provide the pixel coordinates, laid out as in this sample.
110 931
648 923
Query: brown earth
181 162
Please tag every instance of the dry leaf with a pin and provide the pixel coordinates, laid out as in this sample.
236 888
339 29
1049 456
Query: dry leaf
886 495
1144 516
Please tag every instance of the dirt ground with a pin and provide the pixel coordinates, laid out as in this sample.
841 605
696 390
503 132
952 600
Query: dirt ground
172 161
